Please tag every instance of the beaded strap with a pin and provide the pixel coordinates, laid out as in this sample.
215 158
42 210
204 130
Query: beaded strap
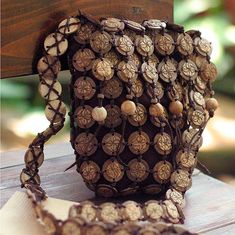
163 216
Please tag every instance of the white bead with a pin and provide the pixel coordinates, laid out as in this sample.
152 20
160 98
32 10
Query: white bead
99 114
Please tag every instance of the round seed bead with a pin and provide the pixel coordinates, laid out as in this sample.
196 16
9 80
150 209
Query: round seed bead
99 114
176 107
128 107
211 104
156 110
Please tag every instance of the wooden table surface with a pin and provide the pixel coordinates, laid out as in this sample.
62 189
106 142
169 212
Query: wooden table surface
210 203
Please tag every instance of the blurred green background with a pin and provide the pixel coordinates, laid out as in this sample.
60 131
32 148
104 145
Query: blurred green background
22 109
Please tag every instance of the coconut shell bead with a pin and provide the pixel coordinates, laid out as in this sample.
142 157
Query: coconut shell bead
55 111
99 114
211 104
68 26
128 107
50 90
156 110
176 107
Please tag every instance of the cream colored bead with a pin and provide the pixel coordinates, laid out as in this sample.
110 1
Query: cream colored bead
128 107
68 26
211 104
176 107
99 114
156 110
51 108
54 93
55 44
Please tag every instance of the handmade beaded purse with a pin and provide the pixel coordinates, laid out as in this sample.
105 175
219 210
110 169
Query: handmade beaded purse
141 97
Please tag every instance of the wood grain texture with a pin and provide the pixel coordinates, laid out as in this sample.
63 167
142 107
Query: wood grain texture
210 203
25 24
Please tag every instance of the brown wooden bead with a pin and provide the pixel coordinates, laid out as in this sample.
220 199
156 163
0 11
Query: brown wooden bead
99 114
156 110
176 107
208 72
211 104
34 157
128 107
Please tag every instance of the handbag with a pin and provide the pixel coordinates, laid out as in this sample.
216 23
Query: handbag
141 97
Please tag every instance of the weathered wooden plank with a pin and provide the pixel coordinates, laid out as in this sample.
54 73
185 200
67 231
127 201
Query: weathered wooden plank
25 24
210 204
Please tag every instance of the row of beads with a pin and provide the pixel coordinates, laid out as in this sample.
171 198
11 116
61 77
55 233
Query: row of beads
83 216
138 170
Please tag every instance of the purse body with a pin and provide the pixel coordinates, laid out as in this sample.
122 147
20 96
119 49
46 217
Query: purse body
125 154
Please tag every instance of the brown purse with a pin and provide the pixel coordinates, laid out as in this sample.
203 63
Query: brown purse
141 97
